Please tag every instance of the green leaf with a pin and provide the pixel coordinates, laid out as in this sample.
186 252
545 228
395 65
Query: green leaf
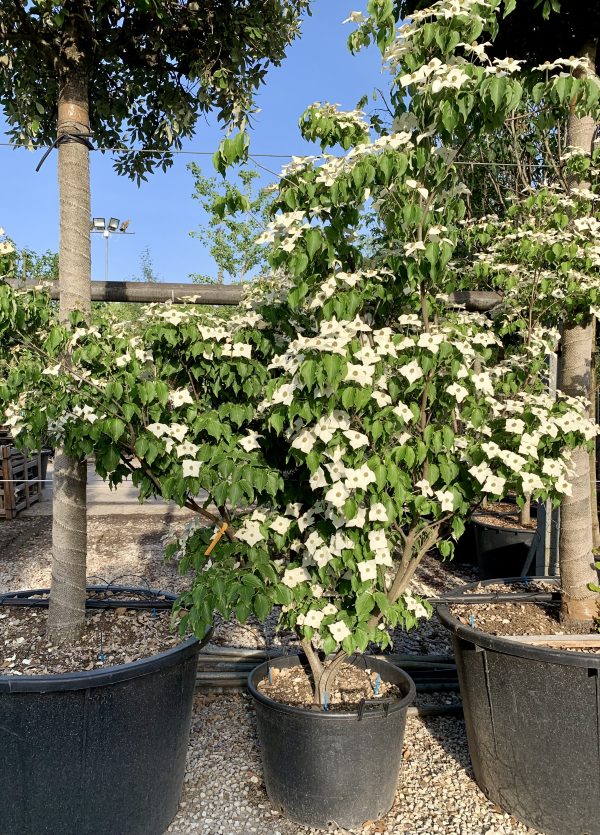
114 428
497 90
262 606
314 242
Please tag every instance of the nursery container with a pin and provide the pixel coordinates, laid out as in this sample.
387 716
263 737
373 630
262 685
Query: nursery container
501 551
323 768
101 751
532 717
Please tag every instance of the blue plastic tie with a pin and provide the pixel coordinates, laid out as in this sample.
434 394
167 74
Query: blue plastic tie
471 621
325 705
102 657
526 580
376 688
270 676
154 612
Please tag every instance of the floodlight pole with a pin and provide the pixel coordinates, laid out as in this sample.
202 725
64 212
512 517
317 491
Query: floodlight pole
107 228
106 234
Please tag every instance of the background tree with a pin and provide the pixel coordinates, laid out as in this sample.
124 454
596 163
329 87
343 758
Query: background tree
237 214
137 73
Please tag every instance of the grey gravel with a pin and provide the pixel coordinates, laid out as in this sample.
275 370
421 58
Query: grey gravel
224 792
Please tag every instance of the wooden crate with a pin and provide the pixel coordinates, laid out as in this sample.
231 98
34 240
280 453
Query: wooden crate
20 480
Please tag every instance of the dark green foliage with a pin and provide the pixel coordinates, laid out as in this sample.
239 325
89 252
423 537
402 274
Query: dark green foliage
154 66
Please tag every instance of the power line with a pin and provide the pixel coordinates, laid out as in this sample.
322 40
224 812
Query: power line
139 150
162 151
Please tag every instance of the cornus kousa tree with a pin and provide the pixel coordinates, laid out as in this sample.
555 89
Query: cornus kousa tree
136 76
543 253
452 61
377 419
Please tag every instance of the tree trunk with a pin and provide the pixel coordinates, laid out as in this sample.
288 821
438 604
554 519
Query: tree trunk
525 512
593 465
69 529
579 604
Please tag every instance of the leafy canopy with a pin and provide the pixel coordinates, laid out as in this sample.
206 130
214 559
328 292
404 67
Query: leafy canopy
237 214
152 66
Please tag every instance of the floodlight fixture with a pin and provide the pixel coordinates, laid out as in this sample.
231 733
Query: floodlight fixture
113 224
98 224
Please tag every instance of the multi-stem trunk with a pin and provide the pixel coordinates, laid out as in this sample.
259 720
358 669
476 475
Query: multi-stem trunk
69 529
579 604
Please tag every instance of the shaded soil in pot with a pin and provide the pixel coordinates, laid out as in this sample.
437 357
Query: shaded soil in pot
504 515
353 684
111 637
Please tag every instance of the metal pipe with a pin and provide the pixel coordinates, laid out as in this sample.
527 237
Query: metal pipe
222 294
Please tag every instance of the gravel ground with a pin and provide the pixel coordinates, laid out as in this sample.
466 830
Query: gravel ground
224 792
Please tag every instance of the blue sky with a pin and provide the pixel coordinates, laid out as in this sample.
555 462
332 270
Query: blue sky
318 67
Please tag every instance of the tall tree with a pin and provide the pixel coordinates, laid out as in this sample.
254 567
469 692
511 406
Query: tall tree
536 31
237 215
133 73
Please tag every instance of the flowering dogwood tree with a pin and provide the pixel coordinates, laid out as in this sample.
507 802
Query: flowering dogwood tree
346 421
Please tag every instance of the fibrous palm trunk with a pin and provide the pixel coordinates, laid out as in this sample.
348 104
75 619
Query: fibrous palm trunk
69 529
579 604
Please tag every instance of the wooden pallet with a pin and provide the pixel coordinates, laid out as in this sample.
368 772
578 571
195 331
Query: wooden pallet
20 480
5 435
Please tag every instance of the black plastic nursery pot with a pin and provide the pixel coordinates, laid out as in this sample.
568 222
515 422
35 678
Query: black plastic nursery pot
465 549
97 752
532 717
323 767
500 551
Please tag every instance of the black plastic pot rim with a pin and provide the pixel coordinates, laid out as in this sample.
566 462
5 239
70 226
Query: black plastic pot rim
496 643
142 591
86 679
323 715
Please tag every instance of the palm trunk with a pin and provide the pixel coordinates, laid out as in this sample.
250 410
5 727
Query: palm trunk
69 530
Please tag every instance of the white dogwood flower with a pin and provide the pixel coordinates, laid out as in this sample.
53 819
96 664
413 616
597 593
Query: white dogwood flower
250 441
359 520
337 495
318 479
356 439
446 499
403 412
292 577
415 606
178 431
313 618
378 513
458 392
425 487
412 371
339 630
191 469
187 448
158 429
250 532
367 570
280 525
494 484
360 374
304 441
357 479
